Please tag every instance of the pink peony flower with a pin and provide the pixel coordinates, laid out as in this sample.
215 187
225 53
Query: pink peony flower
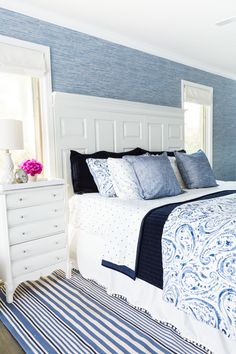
32 167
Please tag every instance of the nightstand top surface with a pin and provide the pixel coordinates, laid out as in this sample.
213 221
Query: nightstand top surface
37 184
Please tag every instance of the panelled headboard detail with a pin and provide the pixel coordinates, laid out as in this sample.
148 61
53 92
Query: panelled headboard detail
88 124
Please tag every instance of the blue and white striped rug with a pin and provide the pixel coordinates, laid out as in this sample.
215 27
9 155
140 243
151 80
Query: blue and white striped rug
56 315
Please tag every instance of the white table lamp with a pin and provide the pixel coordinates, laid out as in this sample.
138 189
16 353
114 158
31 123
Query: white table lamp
11 138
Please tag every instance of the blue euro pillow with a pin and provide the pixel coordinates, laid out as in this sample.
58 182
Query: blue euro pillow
155 176
195 170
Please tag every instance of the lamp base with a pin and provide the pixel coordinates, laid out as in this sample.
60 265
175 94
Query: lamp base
7 171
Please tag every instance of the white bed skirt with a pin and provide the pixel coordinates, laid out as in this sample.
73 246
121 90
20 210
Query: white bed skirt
86 254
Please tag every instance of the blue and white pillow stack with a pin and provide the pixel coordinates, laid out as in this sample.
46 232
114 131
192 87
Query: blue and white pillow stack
151 176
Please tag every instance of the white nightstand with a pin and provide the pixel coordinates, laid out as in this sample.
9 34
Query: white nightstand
33 232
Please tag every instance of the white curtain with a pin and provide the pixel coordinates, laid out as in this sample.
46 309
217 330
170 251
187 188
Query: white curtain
19 60
198 95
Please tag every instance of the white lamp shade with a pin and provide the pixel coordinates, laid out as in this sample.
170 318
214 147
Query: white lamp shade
11 134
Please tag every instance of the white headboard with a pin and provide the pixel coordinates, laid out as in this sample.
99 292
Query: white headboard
88 124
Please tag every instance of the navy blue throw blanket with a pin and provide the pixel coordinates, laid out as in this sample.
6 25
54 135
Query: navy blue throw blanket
149 254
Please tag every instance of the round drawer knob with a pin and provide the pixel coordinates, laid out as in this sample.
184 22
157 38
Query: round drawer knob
24 251
54 195
22 216
55 210
20 199
57 243
26 268
55 225
58 258
23 233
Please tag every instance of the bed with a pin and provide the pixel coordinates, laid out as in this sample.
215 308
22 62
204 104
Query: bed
89 124
138 293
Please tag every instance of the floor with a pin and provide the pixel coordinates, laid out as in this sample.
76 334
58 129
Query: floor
8 345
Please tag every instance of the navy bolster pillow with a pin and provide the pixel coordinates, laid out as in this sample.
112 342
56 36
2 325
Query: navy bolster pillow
82 179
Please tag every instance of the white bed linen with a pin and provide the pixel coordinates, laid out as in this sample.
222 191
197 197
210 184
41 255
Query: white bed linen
92 219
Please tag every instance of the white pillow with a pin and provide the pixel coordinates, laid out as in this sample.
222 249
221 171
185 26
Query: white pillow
123 179
176 171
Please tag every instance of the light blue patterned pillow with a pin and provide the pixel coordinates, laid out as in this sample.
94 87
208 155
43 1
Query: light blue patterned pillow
101 175
155 176
195 170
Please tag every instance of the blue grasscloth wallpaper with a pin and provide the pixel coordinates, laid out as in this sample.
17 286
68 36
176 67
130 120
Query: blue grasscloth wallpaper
92 66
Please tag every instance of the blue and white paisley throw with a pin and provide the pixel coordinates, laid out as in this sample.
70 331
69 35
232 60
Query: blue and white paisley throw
199 261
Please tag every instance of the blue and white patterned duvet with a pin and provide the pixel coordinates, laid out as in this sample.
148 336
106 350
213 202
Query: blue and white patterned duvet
199 261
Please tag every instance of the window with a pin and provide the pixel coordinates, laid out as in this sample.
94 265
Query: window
17 101
25 94
197 103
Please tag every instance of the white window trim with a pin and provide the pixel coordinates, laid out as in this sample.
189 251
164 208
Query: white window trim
45 83
209 126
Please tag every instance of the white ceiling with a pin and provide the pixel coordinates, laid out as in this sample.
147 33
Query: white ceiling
181 30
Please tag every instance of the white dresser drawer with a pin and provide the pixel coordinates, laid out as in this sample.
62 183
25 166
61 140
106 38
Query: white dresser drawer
34 197
35 213
31 231
31 264
37 247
